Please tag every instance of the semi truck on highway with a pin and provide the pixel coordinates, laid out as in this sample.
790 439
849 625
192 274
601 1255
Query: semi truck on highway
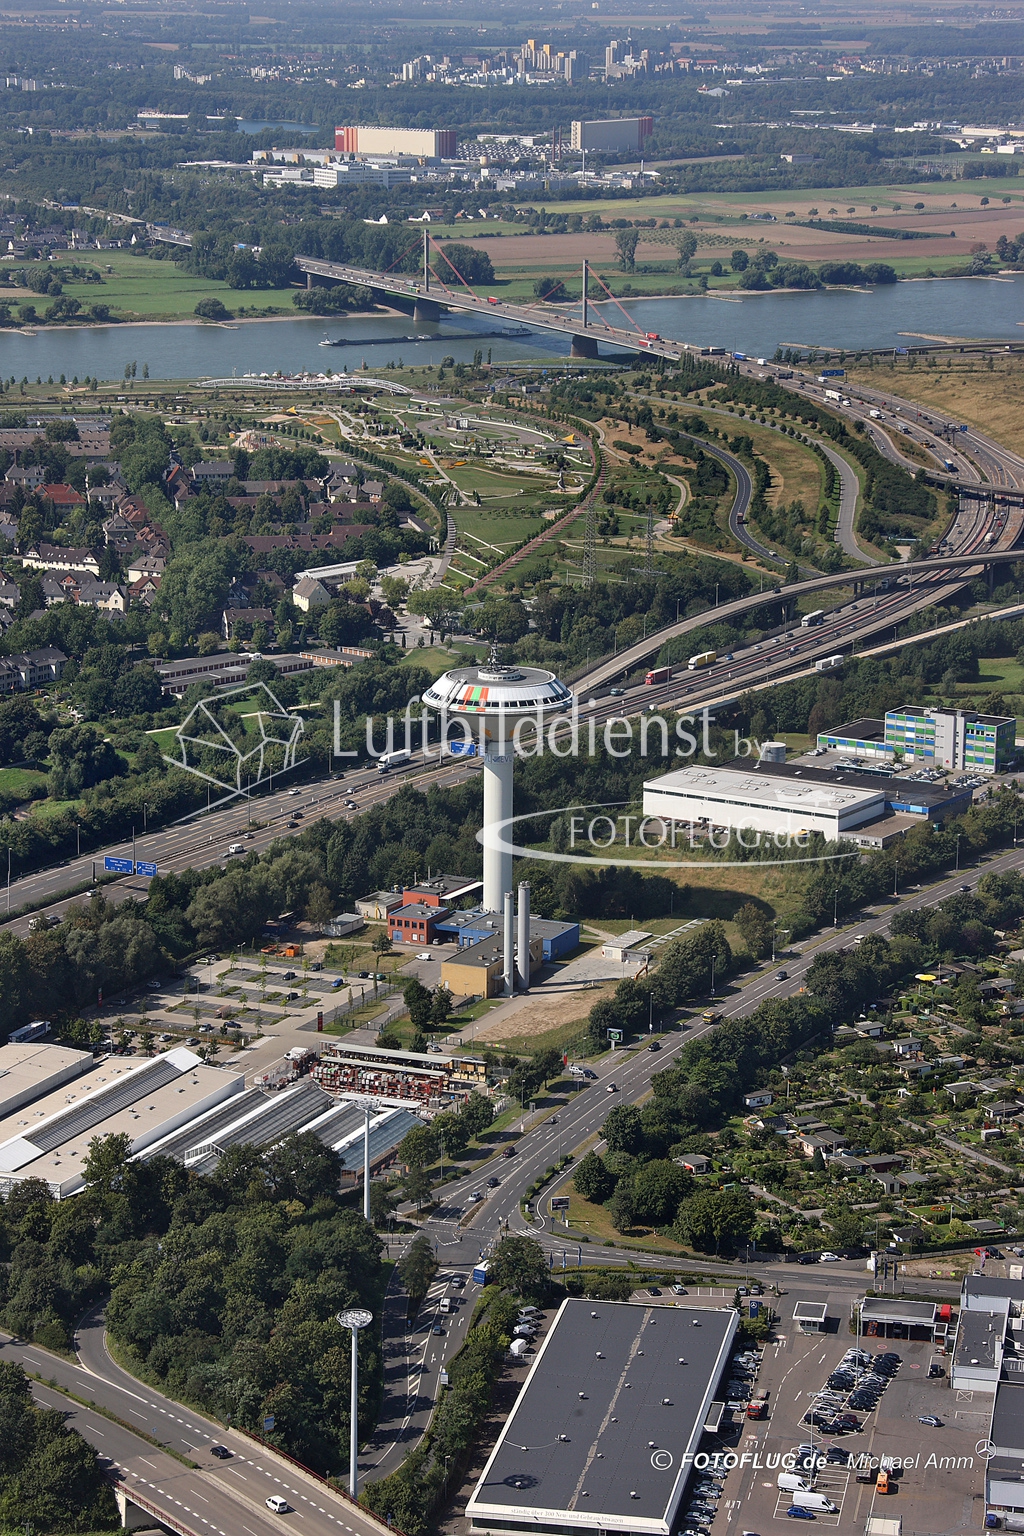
828 663
704 659
658 675
393 760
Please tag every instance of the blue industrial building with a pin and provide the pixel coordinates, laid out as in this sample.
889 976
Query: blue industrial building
560 940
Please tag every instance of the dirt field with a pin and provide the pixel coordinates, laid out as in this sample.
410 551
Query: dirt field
991 401
542 1014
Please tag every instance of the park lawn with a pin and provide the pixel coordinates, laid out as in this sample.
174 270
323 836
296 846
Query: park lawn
26 782
990 399
498 526
158 290
996 674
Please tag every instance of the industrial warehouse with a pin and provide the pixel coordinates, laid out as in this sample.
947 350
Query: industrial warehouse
603 1434
797 799
58 1102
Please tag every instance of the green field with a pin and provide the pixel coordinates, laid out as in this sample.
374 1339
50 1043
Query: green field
158 290
23 782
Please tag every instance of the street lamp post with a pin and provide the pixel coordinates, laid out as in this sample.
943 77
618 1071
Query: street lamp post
958 837
354 1319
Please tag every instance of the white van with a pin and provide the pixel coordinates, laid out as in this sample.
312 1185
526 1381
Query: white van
236 848
792 1482
817 1502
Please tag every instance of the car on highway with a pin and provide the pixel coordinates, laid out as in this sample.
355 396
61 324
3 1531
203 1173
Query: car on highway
654 1046
221 1452
476 1197
616 693
781 975
437 1329
612 1088
492 1183
509 1152
295 791
275 1502
350 805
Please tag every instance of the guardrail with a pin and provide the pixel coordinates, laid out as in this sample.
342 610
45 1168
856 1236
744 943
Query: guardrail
165 1516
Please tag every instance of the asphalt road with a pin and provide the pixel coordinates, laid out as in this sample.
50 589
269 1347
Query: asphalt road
223 1497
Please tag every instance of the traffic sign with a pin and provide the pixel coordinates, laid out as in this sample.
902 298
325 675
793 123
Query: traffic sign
118 866
462 748
149 870
268 1422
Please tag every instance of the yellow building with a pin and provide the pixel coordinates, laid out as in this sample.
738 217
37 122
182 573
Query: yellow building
477 969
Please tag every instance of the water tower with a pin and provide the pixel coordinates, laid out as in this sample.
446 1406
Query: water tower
491 699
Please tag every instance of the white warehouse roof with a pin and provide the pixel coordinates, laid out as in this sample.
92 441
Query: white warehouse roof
29 1069
739 797
145 1100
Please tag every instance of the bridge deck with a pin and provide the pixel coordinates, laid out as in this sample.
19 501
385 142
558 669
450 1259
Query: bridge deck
542 317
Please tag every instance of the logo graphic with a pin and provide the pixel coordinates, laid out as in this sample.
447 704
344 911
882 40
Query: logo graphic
595 840
233 749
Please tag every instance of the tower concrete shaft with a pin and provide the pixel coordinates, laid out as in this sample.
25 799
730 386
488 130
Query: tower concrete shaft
497 811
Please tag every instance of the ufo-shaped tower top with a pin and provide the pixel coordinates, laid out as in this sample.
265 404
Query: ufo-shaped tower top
493 689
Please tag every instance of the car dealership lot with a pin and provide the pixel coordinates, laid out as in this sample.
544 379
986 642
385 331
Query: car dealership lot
938 1482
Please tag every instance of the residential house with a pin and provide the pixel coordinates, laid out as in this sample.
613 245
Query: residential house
31 669
962 1090
907 1047
695 1163
758 1100
308 543
10 594
310 593
64 497
212 473
29 477
882 1162
233 619
1002 1109
144 564
53 592
101 594
117 530
827 1142
8 530
144 590
373 490
51 557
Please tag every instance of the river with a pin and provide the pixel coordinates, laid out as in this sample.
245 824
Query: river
896 315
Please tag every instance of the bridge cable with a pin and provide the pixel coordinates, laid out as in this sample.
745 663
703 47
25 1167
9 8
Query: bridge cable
615 301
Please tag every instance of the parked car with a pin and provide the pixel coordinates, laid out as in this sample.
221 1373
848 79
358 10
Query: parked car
797 1512
930 1418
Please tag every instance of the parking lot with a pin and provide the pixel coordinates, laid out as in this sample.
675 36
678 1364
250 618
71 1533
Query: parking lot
937 1482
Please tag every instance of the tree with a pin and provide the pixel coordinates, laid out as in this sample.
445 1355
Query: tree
472 266
212 309
416 1184
658 1188
626 242
713 1219
383 944
550 289
755 928
137 692
847 1228
622 1207
107 1162
518 1264
739 261
320 905
440 1005
302 1168
592 1179
417 1267
382 1203
623 1130
418 1147
418 999
686 244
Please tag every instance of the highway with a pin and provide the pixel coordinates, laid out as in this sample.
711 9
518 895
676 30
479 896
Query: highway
223 1497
